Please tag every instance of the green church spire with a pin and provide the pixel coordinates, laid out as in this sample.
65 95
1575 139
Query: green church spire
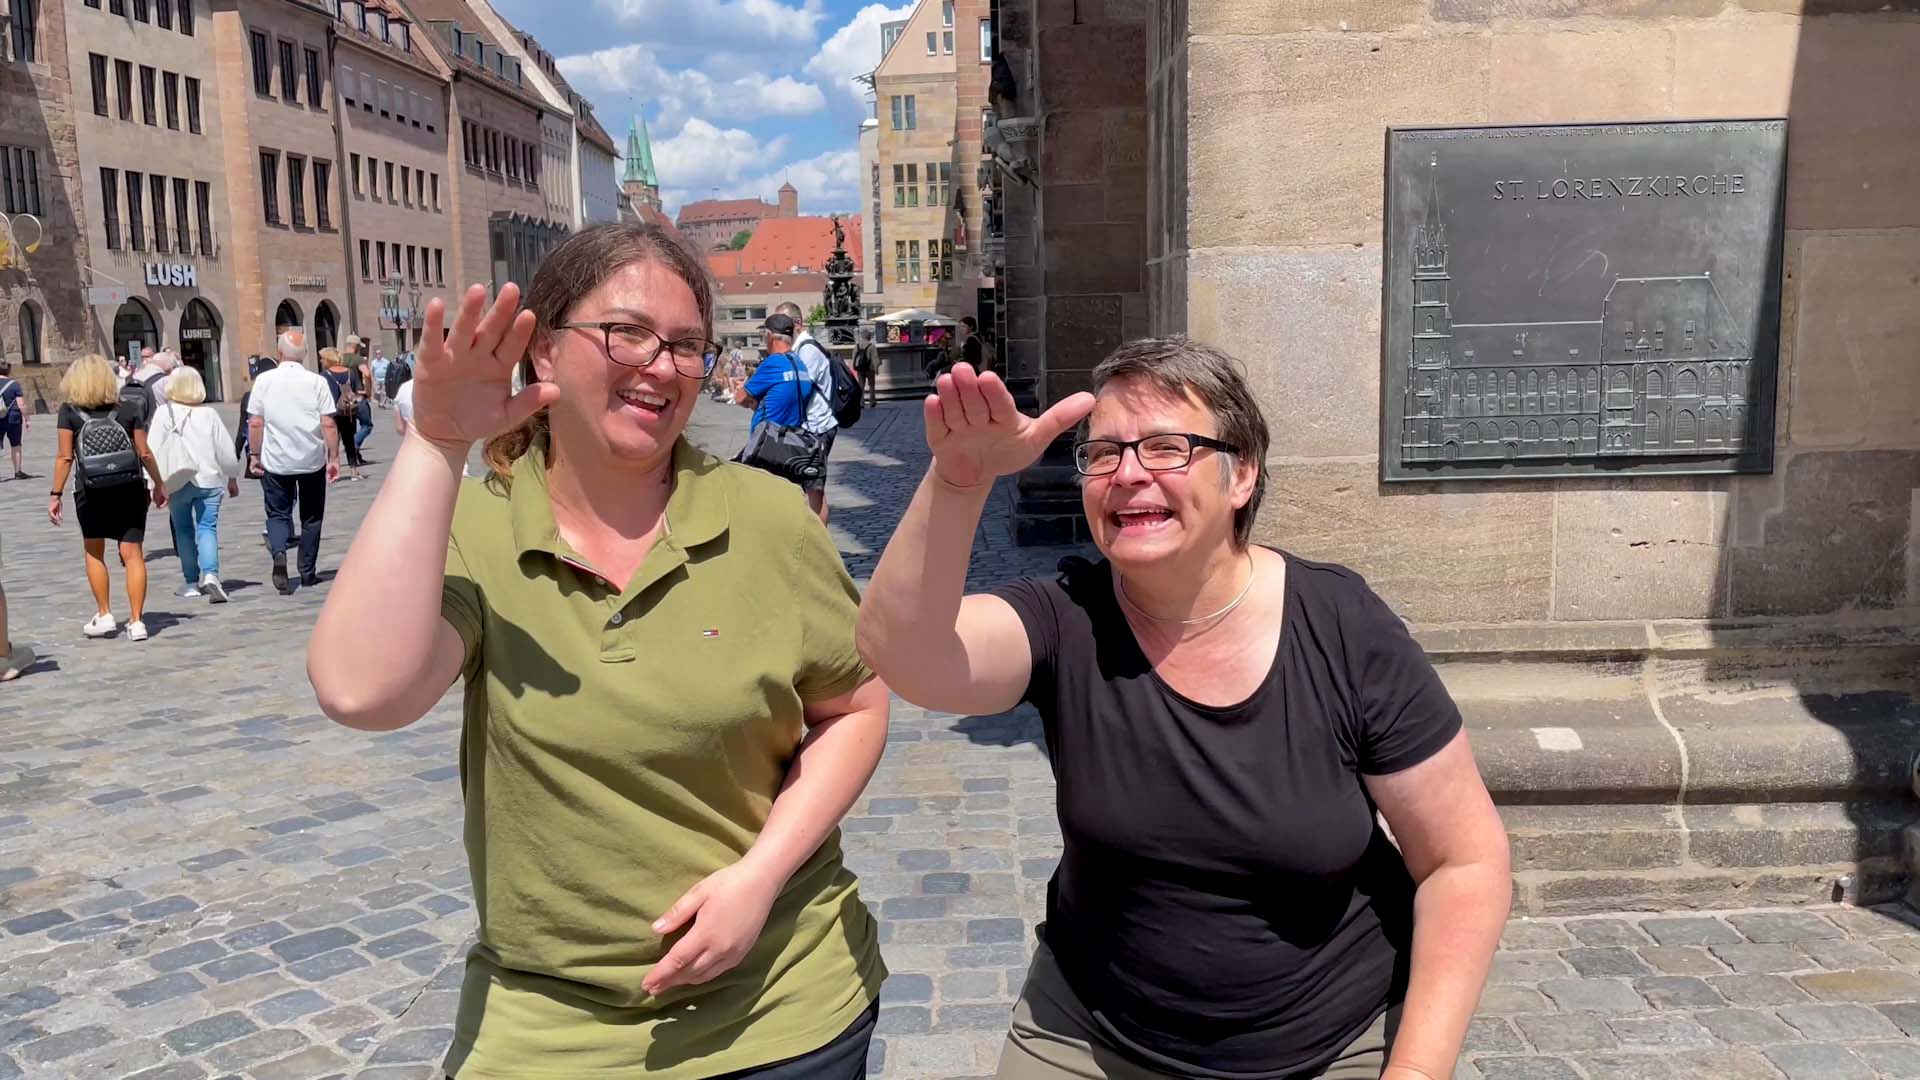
640 155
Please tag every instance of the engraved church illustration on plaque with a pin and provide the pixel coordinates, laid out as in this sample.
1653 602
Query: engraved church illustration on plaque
1581 300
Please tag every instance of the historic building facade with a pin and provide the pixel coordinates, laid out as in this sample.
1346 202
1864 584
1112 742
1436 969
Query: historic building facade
396 190
45 318
712 224
154 185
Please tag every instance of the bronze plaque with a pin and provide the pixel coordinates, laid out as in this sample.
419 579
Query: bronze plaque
1580 300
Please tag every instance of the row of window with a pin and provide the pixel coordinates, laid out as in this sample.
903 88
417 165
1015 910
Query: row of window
740 313
296 190
906 184
395 32
158 12
485 148
296 61
174 89
902 106
906 260
180 238
1685 429
390 100
20 181
410 189
425 265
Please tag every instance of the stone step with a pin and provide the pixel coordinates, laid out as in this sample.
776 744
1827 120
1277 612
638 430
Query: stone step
1570 859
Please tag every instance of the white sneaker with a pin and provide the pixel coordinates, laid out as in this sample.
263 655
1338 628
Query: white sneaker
136 631
215 592
100 626
187 592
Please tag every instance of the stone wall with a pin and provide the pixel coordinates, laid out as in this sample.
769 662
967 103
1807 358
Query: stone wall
1267 141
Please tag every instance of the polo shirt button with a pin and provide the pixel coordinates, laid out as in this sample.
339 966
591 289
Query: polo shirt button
618 618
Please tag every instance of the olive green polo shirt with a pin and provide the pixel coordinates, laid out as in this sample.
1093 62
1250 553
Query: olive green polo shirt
621 742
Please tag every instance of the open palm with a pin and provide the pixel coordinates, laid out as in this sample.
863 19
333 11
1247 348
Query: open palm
464 381
977 434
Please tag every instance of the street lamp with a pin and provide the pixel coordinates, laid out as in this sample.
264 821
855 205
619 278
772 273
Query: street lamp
397 318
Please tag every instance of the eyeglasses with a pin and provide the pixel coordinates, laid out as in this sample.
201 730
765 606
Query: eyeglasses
1156 453
635 346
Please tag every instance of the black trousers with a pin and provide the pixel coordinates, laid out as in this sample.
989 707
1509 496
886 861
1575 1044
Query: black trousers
282 492
348 423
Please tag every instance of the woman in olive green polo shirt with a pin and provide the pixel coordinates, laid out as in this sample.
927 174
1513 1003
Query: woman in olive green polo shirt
665 714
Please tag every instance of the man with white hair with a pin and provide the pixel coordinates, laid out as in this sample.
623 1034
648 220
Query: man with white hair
294 450
153 372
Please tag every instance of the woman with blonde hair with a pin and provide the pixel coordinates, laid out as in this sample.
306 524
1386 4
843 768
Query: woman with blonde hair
103 437
348 388
195 450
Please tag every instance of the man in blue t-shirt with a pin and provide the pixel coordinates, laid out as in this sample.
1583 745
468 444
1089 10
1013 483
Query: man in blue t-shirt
779 388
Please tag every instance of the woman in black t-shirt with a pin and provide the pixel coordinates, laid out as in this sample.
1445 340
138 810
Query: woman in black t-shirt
1223 721
111 506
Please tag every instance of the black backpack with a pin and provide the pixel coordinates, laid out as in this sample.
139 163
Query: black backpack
103 450
398 372
843 391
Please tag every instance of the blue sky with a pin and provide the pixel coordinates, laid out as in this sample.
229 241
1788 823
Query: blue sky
737 94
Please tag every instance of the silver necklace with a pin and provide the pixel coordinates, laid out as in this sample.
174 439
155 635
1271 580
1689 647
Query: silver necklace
1223 612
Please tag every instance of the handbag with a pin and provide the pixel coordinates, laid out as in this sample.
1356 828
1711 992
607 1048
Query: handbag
792 453
176 463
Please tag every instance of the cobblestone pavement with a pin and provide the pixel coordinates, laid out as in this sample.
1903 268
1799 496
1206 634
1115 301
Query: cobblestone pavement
200 876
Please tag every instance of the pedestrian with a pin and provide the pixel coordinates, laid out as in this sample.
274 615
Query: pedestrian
294 448
15 657
778 392
363 409
195 452
1223 721
13 418
820 420
103 438
380 378
663 894
865 364
346 389
156 366
971 347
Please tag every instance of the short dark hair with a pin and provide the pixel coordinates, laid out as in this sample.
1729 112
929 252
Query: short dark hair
970 323
1180 366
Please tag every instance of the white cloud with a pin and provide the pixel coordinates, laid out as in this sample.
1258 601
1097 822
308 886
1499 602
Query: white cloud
701 156
852 51
718 23
678 95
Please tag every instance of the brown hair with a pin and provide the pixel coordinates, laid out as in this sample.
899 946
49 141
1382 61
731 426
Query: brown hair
1180 366
570 273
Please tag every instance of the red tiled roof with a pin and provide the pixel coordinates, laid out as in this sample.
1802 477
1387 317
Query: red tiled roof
725 210
780 244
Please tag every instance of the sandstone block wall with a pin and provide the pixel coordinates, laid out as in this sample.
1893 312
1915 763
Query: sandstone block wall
1267 136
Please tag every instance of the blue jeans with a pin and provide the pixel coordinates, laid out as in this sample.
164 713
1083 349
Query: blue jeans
196 530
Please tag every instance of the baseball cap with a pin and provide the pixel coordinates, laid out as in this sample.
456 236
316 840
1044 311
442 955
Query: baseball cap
779 324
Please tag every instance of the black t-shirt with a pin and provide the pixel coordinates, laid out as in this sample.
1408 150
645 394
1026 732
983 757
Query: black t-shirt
1225 904
971 351
73 417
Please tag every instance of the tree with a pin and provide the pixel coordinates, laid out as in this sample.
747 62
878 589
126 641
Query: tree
739 241
818 316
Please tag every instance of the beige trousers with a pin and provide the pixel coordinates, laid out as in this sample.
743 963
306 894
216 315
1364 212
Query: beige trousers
1054 1037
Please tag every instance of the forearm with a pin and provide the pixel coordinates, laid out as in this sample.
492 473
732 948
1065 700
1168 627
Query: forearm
909 611
62 468
1458 914
256 437
330 433
832 767
391 578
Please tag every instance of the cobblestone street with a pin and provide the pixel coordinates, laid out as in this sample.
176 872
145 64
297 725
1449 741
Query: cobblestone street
201 876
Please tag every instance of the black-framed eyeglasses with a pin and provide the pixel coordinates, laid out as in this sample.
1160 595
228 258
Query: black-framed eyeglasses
1156 453
635 346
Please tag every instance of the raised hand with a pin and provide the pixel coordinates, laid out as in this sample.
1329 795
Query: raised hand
464 392
976 434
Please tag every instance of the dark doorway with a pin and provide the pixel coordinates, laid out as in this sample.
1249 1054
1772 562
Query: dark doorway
200 345
30 334
133 330
326 327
